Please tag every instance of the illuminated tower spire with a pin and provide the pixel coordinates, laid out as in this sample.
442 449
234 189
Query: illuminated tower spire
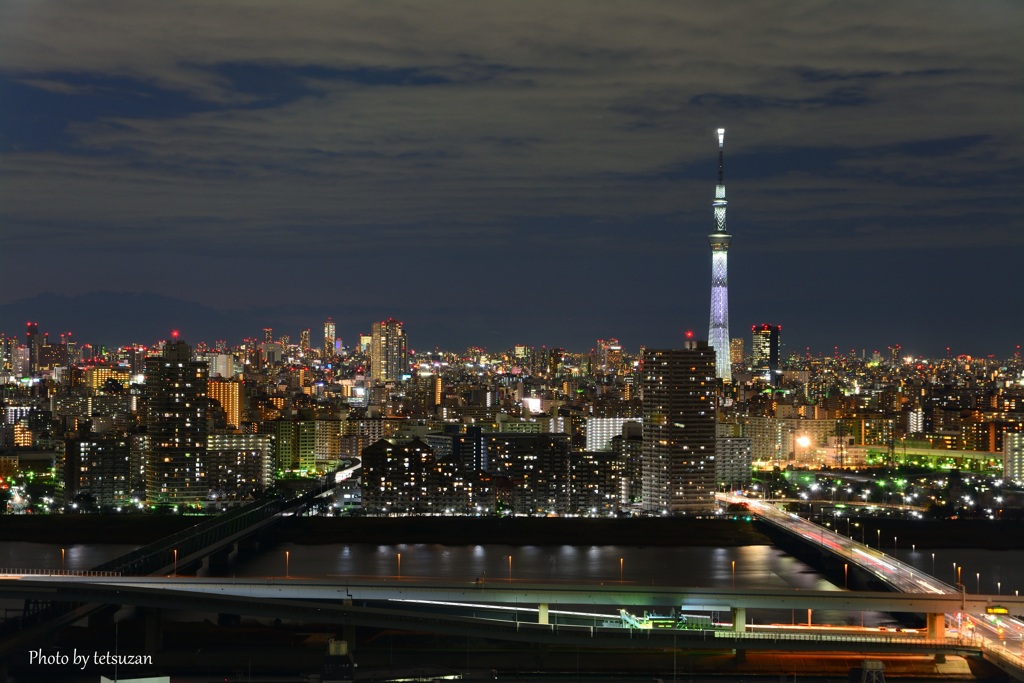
718 334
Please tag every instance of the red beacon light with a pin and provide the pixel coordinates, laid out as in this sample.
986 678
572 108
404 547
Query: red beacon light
689 334
174 334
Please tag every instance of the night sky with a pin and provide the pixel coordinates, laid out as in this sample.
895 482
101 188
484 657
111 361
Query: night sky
495 173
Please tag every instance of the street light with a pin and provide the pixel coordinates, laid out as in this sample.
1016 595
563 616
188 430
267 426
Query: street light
175 561
399 565
879 531
846 576
620 570
287 558
933 564
62 560
978 575
510 569
734 574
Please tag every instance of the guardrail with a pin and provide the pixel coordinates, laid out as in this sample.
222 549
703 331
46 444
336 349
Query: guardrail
36 571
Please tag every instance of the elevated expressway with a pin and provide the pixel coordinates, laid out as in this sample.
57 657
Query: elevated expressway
44 614
975 610
421 605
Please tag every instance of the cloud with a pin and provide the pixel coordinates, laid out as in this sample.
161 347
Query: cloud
352 129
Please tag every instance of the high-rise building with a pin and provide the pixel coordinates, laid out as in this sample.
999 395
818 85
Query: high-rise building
736 352
601 430
329 337
33 343
219 364
1013 456
97 466
388 351
765 351
176 426
239 464
231 396
733 461
718 333
304 340
678 460
609 357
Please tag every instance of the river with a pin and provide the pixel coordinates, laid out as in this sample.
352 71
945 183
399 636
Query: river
756 566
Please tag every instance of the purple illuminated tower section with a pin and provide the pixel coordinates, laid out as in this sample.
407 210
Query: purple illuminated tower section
718 334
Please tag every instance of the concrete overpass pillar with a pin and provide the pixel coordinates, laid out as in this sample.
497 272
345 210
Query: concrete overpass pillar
102 619
246 547
348 631
739 619
154 628
936 627
542 613
218 562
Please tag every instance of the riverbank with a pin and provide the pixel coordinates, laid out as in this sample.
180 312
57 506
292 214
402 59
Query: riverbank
645 531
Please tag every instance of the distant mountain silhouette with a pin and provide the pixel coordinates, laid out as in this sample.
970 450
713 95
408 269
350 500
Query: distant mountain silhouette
118 318
115 318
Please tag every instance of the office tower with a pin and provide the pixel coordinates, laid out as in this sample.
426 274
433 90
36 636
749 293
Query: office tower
718 333
736 352
273 353
33 343
71 354
231 396
175 426
388 355
765 351
7 346
609 355
678 461
268 334
329 337
304 340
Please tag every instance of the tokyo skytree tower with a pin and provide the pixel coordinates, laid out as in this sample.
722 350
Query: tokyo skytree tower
718 334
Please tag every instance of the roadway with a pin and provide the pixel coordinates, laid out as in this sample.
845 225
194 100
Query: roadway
1001 637
64 587
404 614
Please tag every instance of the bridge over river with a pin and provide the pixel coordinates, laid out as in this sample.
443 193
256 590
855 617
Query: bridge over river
530 612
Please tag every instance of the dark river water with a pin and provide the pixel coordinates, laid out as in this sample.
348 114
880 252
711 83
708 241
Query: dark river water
758 566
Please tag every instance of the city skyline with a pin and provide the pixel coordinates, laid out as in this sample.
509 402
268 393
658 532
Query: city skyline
515 174
241 329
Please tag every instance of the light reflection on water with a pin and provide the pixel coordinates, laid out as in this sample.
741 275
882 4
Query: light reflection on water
755 566
77 557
